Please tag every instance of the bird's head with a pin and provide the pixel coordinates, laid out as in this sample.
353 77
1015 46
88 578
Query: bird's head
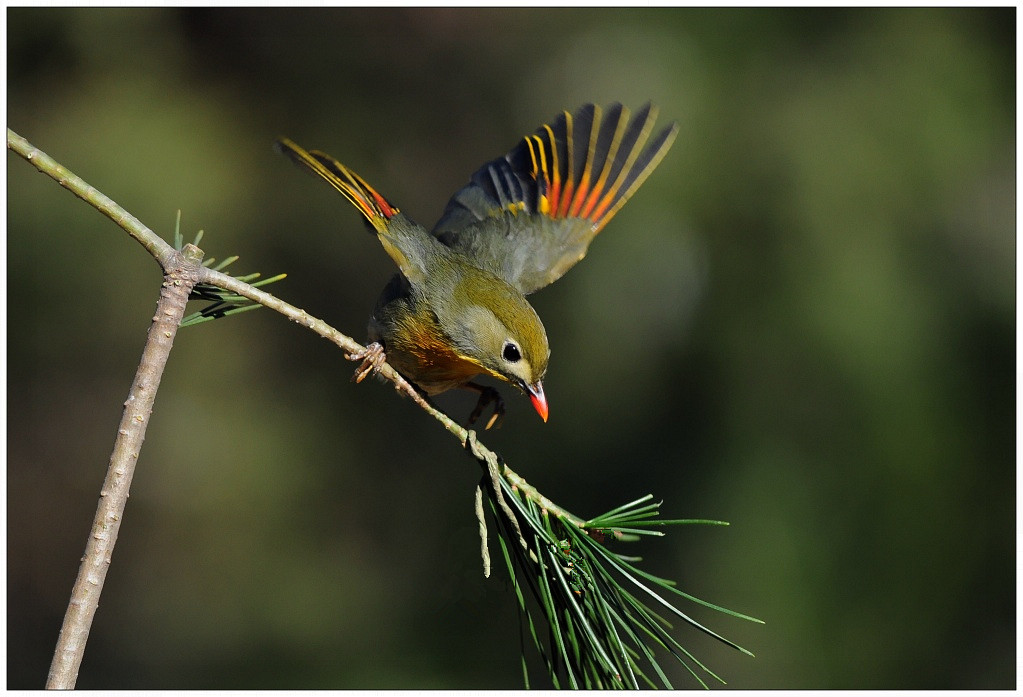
496 327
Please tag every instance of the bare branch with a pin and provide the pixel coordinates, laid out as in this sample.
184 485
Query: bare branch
153 243
131 432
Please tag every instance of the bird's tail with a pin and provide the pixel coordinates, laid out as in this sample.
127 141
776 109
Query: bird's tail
353 187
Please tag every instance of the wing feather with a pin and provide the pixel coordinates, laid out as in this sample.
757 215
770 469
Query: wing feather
530 216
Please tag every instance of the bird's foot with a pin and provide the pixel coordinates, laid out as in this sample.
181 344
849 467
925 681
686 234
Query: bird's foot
372 357
488 395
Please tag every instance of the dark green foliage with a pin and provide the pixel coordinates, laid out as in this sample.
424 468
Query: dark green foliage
222 303
602 630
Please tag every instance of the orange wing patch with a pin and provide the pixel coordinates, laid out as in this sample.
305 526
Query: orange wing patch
607 150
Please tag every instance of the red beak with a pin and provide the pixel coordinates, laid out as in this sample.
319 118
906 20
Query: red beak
536 396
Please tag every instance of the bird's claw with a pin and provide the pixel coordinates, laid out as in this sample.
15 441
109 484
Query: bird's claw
488 395
372 357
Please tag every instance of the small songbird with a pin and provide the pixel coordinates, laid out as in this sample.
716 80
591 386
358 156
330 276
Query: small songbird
457 307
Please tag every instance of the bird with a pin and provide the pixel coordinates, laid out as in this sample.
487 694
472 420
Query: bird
457 307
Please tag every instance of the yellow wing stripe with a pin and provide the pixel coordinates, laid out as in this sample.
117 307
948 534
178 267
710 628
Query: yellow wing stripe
570 164
555 184
612 153
604 214
584 181
641 177
532 155
543 200
592 194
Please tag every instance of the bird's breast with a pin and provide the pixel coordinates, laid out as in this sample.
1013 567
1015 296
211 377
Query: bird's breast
420 349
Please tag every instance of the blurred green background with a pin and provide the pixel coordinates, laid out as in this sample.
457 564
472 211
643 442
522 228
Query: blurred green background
803 324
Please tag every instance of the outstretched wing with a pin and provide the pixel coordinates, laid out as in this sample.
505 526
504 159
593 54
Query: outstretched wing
530 216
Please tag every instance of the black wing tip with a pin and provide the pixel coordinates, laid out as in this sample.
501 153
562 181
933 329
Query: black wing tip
648 111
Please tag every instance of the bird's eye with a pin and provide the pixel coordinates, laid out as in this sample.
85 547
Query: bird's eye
511 352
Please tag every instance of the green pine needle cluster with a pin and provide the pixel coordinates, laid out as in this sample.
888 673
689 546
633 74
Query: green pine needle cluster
603 614
222 302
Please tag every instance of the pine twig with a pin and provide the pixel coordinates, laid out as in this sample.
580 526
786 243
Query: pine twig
154 244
